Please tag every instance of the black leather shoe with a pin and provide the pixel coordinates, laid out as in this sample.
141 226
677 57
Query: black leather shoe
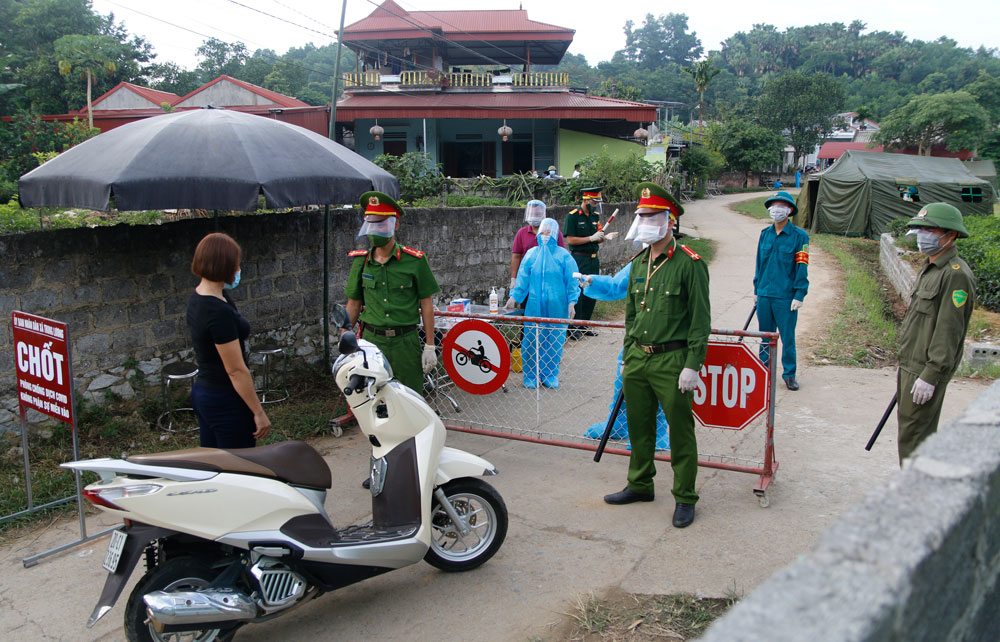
590 333
367 483
683 515
792 384
574 335
627 496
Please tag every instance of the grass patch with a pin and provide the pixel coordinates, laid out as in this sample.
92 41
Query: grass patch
984 326
988 371
754 207
627 616
864 331
120 428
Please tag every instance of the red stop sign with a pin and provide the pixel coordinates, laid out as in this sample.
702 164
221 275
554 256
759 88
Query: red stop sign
734 387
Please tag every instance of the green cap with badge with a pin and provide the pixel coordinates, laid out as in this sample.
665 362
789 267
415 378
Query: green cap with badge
942 215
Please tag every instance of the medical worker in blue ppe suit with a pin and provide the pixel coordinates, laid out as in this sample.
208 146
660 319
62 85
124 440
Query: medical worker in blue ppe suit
602 287
545 278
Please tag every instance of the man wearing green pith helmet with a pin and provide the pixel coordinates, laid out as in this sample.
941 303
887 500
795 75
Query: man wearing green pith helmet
932 337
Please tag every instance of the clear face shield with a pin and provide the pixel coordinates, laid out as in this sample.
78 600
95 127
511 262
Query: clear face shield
378 225
548 231
649 228
594 205
534 212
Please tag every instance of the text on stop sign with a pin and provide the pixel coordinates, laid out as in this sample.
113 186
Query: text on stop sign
725 383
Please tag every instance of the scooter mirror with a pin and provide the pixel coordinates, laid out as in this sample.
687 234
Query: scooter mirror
348 343
340 317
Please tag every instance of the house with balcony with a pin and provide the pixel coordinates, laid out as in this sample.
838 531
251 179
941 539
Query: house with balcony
463 87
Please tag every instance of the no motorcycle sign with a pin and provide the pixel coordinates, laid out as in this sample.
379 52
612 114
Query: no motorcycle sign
476 357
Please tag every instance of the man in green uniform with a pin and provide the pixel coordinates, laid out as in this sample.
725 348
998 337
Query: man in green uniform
583 234
390 288
667 323
932 338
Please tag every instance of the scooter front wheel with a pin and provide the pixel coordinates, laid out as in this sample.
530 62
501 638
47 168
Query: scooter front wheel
485 515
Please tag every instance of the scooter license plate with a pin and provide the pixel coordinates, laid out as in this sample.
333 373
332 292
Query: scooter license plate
115 548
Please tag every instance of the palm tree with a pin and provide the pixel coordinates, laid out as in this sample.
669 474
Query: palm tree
702 72
87 54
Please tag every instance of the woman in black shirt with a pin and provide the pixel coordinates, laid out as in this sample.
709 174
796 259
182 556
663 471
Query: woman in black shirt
229 413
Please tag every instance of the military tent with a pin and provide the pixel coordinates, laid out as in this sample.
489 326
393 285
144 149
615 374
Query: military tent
986 170
863 192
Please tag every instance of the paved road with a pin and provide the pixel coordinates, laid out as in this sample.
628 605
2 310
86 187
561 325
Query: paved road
563 540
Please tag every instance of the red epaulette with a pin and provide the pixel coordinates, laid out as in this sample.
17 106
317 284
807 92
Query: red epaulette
411 251
690 252
357 253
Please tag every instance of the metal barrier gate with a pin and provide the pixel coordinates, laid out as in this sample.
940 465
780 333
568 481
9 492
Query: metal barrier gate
571 408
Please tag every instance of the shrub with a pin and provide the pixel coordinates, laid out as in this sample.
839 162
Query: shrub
8 191
460 200
982 252
418 175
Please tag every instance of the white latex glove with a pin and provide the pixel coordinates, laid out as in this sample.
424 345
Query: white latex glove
610 236
572 311
688 380
922 391
513 281
585 279
428 358
511 304
597 237
796 304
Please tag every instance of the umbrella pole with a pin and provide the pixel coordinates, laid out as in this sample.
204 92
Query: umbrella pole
326 287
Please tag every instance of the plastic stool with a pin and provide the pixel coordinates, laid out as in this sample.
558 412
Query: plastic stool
172 373
277 389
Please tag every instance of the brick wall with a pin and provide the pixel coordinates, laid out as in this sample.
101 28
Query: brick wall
122 290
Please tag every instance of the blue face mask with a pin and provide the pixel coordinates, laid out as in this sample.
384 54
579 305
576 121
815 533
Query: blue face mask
236 281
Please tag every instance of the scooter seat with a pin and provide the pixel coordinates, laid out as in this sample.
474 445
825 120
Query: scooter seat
293 462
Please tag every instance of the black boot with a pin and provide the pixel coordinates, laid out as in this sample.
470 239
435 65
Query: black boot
627 496
683 515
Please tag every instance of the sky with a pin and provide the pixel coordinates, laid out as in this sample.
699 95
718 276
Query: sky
598 28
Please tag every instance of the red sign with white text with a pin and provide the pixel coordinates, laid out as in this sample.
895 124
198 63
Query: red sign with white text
41 358
734 388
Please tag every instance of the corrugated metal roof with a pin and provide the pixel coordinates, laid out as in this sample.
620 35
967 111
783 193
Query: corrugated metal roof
492 105
391 17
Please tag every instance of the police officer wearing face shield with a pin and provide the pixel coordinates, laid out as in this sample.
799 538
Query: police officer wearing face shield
781 280
667 323
390 287
932 337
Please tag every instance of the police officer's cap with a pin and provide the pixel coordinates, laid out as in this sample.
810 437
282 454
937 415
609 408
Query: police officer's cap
380 204
942 215
783 197
654 197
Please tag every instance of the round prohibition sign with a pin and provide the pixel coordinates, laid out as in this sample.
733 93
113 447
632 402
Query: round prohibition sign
476 357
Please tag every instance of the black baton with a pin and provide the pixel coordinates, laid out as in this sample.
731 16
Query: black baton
881 424
611 422
749 319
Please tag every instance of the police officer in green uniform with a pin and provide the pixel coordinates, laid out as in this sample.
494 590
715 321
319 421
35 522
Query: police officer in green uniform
390 288
932 338
667 323
583 234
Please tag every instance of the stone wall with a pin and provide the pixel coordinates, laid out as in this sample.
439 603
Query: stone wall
917 560
900 273
122 289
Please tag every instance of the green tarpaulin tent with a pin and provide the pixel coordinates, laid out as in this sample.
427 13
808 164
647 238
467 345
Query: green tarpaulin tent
986 170
863 192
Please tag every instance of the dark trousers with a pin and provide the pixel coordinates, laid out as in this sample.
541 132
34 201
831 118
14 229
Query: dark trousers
224 419
585 264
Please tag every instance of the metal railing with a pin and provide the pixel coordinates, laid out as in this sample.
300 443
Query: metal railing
413 78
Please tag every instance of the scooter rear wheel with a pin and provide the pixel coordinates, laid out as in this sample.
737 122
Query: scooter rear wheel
485 513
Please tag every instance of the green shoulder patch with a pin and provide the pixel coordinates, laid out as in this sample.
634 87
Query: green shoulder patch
959 297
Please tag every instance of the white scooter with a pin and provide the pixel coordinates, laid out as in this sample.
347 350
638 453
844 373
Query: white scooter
232 537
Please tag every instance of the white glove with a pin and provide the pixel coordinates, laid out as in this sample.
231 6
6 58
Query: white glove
572 311
428 358
688 380
796 304
585 279
922 391
511 304
597 237
610 236
513 281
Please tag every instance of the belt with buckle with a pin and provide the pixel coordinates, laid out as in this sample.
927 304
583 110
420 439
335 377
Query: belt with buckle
657 348
593 256
392 332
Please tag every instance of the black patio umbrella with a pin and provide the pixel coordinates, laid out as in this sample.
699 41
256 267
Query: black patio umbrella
213 159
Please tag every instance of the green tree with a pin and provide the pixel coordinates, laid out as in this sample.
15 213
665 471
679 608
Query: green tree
173 78
954 118
220 57
611 88
747 147
802 107
661 40
702 72
88 55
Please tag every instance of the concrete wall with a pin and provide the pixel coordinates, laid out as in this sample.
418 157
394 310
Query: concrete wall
900 273
125 99
122 290
917 560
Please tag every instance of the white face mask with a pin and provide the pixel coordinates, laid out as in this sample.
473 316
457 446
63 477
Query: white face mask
534 221
928 242
779 212
544 238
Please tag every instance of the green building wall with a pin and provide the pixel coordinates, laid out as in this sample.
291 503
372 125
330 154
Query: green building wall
573 146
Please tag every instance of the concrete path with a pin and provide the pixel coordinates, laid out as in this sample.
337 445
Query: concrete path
563 540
